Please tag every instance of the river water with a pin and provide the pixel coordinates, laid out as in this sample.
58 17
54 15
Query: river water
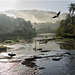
62 51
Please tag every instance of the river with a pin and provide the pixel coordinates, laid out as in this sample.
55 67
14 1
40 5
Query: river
58 57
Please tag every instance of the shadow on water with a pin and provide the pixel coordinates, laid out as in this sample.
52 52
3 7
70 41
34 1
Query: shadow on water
3 50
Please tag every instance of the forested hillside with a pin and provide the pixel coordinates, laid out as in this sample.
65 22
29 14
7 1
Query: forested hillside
15 27
41 20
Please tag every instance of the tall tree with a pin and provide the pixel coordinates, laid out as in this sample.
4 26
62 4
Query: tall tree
72 8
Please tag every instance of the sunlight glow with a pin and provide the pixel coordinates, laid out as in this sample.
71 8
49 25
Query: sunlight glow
7 4
3 60
4 54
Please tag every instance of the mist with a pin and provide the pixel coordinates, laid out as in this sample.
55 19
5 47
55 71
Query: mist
43 19
15 27
38 16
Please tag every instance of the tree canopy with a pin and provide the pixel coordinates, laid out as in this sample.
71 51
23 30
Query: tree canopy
67 27
72 8
15 27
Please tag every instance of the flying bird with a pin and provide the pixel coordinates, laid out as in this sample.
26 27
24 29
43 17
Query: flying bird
56 15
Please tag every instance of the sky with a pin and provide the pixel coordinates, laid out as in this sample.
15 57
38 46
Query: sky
46 5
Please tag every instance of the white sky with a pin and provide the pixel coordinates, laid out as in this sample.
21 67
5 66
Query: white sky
51 5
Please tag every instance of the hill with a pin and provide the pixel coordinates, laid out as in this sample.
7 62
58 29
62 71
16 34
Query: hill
41 20
15 27
37 16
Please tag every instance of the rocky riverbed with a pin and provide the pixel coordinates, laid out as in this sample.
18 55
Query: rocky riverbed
51 58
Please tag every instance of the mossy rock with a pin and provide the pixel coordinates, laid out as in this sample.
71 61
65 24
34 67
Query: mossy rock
9 41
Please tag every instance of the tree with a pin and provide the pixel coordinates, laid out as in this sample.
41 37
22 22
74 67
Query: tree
11 28
67 27
72 8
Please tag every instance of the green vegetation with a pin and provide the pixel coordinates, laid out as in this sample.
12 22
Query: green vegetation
67 26
72 8
15 28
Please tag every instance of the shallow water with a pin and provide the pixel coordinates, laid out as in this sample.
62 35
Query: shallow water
64 66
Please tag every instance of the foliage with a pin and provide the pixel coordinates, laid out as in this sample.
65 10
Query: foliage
12 28
67 27
72 8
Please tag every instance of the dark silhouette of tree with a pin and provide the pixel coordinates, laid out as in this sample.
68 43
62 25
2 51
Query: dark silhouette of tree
72 8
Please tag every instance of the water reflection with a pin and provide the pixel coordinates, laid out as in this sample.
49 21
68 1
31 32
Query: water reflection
63 66
3 50
67 45
4 54
3 60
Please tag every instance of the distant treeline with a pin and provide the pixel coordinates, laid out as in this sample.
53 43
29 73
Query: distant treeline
13 28
47 27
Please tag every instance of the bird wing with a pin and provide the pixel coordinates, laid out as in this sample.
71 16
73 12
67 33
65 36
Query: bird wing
58 13
54 16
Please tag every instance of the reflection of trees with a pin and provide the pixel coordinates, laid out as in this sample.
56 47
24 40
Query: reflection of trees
70 45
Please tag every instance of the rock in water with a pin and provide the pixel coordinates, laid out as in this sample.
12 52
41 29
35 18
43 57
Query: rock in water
57 58
11 54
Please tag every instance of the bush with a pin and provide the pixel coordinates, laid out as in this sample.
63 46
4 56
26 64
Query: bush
66 28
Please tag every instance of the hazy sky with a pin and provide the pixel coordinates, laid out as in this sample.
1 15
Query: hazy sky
50 5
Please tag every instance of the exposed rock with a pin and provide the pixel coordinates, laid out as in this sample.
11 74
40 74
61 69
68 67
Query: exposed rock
29 63
39 49
41 68
45 51
11 54
56 58
67 53
41 54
